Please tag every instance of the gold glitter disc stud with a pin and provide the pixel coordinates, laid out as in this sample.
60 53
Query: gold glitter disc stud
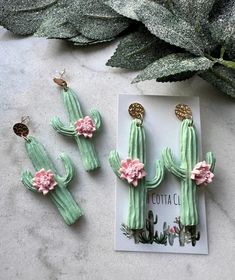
21 129
136 110
183 111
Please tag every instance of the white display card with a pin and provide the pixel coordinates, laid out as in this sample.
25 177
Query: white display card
162 130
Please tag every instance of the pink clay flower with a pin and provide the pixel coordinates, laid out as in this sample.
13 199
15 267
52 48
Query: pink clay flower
44 181
173 230
85 127
201 173
132 170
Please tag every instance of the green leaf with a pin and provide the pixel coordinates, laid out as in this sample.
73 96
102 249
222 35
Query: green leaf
196 13
172 65
193 11
57 25
139 49
128 8
170 28
222 78
125 8
177 77
81 40
23 17
223 25
97 21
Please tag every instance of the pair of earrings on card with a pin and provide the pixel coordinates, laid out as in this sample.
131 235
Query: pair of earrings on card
190 171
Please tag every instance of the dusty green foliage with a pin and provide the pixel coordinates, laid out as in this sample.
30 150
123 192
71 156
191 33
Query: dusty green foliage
154 33
177 77
81 40
221 77
191 10
57 25
170 28
24 17
173 64
222 28
97 21
139 49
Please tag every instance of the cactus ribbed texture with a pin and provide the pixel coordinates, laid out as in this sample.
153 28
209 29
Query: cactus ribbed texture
189 158
60 196
137 195
86 147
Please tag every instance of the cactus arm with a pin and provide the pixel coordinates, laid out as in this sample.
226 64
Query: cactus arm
60 127
69 170
115 162
171 166
156 181
27 180
210 159
96 117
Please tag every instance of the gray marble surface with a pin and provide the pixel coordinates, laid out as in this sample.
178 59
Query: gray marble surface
34 242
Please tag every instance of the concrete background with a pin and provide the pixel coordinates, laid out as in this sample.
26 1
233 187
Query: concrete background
35 243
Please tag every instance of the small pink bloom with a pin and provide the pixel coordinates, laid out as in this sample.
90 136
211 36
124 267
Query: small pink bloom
201 173
173 229
44 181
85 127
132 170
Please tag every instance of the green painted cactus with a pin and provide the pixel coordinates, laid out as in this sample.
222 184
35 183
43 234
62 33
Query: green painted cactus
86 147
137 194
189 158
150 235
60 195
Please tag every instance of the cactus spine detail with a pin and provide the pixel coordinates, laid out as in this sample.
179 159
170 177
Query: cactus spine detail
189 158
60 196
137 195
86 147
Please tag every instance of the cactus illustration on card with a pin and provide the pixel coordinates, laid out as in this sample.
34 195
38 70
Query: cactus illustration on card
132 171
190 172
81 128
48 182
150 235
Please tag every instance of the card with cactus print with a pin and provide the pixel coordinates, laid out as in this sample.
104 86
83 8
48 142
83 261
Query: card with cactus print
167 213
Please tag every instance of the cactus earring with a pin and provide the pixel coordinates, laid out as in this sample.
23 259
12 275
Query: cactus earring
81 128
46 179
132 171
190 172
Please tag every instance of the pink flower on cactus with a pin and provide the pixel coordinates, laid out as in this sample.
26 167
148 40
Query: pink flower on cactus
173 230
44 181
85 127
201 173
132 170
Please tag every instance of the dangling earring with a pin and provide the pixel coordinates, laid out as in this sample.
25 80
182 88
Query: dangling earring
190 172
132 171
46 179
81 128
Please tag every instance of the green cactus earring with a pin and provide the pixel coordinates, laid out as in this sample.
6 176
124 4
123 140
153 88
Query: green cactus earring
81 128
132 171
190 172
46 179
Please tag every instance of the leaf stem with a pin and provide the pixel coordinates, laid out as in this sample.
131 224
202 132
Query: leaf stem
226 63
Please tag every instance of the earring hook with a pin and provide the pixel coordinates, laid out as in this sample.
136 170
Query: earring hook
60 81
